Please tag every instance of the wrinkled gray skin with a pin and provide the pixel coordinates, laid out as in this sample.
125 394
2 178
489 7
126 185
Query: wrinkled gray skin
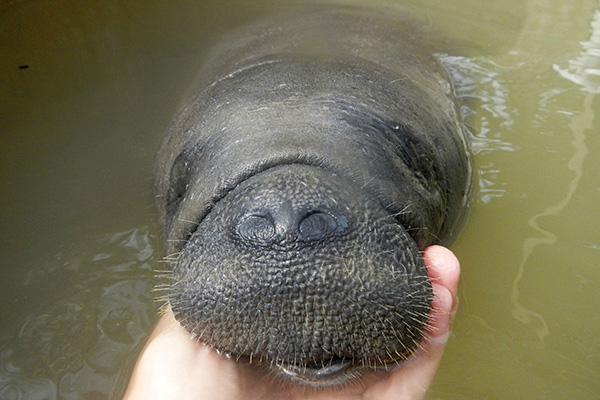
298 189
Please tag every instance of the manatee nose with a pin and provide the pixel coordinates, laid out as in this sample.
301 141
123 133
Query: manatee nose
285 223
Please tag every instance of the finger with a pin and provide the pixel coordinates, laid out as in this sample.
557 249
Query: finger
444 270
443 267
438 326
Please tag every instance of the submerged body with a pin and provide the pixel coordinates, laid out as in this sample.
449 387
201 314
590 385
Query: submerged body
321 155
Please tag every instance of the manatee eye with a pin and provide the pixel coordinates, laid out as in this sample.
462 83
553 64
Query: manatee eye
178 183
256 229
317 225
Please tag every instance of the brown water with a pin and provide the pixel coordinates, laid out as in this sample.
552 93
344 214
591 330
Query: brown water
87 89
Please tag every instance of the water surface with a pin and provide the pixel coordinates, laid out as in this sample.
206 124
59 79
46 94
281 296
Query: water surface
87 89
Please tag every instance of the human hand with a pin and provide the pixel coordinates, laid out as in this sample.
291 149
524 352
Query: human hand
174 366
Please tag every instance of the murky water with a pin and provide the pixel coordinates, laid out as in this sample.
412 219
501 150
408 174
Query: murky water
87 89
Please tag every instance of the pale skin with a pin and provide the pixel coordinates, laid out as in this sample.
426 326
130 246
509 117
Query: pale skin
174 366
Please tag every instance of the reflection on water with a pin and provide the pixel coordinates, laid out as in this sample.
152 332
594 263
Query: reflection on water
580 125
477 82
585 68
582 70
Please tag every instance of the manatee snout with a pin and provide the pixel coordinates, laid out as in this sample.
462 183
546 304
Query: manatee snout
299 187
302 271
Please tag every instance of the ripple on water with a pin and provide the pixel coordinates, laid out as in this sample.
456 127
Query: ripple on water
78 345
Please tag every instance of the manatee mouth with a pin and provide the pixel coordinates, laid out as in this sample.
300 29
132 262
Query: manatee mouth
332 374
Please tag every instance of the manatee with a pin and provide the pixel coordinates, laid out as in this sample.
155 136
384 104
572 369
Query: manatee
320 155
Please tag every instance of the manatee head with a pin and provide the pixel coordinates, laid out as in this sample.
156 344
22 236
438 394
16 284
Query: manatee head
298 190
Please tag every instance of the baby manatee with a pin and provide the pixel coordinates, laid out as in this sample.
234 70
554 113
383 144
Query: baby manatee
320 156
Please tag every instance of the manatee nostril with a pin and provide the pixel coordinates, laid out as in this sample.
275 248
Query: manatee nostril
257 229
317 225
